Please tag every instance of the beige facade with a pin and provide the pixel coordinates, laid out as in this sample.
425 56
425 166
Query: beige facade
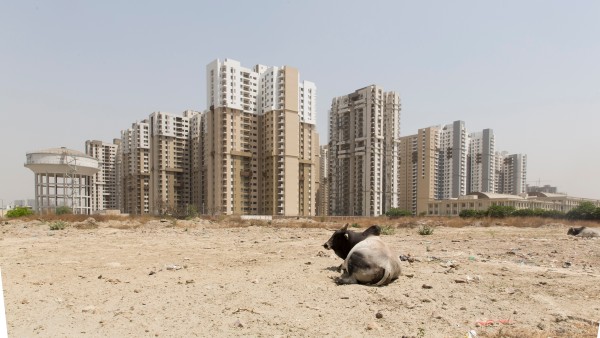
323 190
364 140
482 201
230 162
419 156
105 183
261 146
197 164
135 168
169 162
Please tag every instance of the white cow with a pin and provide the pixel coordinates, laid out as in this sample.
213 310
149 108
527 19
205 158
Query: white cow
584 232
370 262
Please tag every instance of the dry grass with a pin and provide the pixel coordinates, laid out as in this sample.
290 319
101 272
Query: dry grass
326 222
583 330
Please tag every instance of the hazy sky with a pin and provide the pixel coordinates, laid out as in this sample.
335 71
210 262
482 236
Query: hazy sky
530 70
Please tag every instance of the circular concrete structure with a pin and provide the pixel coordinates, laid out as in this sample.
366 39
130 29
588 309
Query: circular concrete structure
62 178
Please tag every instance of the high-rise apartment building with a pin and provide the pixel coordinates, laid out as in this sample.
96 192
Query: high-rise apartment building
135 164
418 169
197 166
323 192
105 186
481 162
364 131
169 161
261 146
454 144
512 173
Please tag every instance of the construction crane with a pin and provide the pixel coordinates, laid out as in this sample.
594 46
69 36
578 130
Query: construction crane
538 182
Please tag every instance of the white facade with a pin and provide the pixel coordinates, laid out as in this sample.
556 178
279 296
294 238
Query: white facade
105 185
257 90
482 164
454 144
62 178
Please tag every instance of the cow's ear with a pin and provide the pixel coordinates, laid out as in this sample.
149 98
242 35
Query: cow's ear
347 236
345 227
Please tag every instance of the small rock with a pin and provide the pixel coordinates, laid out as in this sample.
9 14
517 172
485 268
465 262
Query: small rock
567 264
541 326
89 308
136 291
409 275
460 280
150 274
372 326
238 324
100 277
378 315
189 281
559 317
464 308
426 286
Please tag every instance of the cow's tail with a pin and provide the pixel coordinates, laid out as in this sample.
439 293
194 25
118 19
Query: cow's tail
385 279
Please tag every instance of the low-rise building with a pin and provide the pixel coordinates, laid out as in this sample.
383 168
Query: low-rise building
482 201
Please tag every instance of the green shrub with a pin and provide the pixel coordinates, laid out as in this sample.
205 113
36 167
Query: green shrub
396 212
425 230
470 213
58 225
585 210
388 230
355 225
19 212
63 210
500 211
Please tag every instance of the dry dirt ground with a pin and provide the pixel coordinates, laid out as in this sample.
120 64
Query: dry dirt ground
198 278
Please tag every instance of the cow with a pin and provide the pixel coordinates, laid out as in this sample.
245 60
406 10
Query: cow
343 240
370 262
367 259
584 232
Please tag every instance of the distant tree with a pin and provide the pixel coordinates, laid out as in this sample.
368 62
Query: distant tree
585 210
597 213
396 212
538 213
19 212
525 213
469 213
552 214
500 211
63 210
191 211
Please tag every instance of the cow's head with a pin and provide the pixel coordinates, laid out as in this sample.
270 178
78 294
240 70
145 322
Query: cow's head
343 240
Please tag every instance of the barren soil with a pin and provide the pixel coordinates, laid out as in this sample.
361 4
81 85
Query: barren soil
198 278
